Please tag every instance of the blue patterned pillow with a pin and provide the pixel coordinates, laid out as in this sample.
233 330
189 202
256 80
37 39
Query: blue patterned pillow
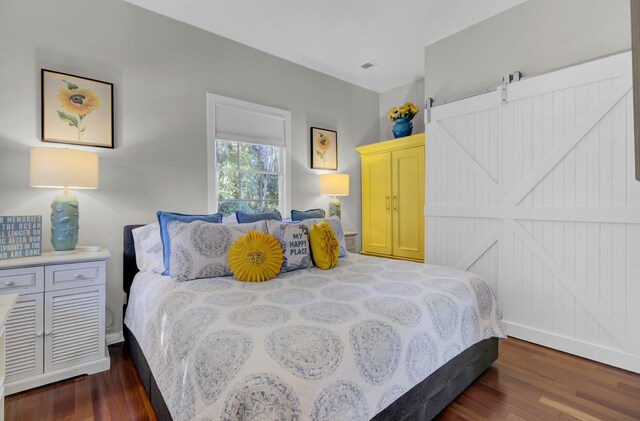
297 215
165 217
294 242
248 217
200 249
336 226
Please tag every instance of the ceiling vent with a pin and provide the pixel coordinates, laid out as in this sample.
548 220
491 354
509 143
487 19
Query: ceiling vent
366 65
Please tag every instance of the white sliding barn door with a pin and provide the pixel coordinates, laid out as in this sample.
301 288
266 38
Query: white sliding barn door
537 195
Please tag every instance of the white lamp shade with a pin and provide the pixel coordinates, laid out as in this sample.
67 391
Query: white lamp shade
334 184
60 168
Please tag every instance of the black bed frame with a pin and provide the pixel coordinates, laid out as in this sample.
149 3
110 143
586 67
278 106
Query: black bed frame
422 402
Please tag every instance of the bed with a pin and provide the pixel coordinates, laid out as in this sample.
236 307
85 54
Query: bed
373 339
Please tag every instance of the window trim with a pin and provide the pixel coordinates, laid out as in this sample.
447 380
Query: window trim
214 100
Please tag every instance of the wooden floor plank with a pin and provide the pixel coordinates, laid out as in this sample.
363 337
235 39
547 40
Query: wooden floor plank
559 392
632 390
100 406
528 382
568 410
64 400
83 407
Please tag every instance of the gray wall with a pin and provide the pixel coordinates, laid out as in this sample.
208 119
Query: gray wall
411 92
534 37
162 70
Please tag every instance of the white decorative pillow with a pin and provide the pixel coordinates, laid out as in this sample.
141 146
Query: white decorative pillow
148 246
336 226
294 242
200 249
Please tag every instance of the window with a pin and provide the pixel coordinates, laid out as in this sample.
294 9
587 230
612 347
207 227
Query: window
248 156
248 177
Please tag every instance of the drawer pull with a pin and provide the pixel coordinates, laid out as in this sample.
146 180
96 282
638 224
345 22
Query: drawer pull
79 276
9 283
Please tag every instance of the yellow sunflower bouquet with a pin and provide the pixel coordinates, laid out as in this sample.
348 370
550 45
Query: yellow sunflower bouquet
407 111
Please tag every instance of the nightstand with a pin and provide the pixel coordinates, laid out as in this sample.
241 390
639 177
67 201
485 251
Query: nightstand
6 303
351 240
56 327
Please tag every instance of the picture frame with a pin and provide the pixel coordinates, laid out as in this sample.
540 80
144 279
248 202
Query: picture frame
76 110
324 149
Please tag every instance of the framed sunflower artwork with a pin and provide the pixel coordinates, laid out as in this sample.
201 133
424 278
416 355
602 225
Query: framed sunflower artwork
76 110
324 149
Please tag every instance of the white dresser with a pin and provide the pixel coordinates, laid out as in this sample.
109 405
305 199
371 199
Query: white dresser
56 327
6 302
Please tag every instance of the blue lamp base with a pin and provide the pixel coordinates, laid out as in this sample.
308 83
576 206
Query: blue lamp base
64 223
335 208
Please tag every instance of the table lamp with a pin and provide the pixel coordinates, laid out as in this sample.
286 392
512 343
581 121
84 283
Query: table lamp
334 185
64 169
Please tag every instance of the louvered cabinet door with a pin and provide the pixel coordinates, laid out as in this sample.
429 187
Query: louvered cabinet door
24 345
74 327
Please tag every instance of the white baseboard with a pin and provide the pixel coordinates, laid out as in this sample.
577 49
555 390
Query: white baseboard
601 354
114 337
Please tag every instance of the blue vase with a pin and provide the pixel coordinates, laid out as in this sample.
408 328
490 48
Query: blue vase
402 128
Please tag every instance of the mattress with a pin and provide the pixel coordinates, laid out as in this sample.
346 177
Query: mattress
310 344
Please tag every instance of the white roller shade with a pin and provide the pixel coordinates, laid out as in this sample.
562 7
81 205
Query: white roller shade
240 123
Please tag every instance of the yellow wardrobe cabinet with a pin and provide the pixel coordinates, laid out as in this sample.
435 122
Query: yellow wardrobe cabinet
393 198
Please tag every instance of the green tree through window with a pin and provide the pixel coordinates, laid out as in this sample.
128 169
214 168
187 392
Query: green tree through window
248 177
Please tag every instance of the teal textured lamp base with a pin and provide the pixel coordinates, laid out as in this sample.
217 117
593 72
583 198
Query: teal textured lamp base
64 223
335 208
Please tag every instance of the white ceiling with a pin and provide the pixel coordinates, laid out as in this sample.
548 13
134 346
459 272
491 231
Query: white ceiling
337 36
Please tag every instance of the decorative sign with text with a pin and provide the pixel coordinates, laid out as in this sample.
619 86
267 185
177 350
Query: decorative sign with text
20 236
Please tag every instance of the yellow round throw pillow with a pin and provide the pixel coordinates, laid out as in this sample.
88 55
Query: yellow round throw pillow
255 257
324 245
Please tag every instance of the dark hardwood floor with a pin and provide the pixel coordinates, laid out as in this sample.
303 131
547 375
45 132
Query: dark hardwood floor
115 395
528 382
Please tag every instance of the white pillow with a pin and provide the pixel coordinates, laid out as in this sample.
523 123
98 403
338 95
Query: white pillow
294 243
148 246
200 249
230 219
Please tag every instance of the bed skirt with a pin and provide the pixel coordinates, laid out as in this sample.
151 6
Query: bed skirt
422 402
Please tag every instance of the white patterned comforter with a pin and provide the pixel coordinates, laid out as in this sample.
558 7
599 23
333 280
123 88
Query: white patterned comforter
311 344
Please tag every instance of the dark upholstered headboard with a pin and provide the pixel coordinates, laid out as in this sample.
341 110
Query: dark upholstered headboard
129 266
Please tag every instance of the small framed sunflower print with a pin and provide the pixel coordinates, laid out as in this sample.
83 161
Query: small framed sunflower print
76 110
324 149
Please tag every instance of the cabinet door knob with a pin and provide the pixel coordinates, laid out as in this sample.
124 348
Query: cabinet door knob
38 334
47 333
